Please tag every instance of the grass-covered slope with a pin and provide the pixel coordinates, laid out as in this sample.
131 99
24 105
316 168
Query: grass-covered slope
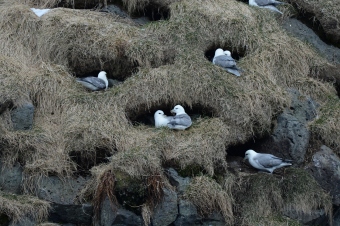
162 64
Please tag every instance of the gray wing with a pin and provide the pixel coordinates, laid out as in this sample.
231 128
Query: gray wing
268 160
92 83
225 61
183 120
233 71
267 2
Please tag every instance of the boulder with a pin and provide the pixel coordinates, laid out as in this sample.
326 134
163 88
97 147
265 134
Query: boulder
336 217
25 221
63 197
166 212
120 217
10 179
290 138
304 218
324 168
177 181
22 116
75 214
187 215
62 192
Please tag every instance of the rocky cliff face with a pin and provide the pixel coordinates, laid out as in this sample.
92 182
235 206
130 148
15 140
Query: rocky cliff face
70 156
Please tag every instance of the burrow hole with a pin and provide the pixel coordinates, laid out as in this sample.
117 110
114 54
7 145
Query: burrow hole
116 71
86 160
145 116
236 52
153 11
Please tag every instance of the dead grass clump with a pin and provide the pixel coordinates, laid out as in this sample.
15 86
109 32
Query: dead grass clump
209 196
105 188
18 206
203 145
303 194
77 39
326 126
258 198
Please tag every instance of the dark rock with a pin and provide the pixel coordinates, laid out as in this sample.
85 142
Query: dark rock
113 82
175 180
62 192
25 221
117 11
109 217
304 33
22 117
166 212
187 214
75 214
290 138
214 219
324 168
304 217
328 26
10 179
5 105
336 217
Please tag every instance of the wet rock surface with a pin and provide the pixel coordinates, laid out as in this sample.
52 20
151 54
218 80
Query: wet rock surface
291 136
10 179
324 168
304 33
62 192
110 216
166 212
22 117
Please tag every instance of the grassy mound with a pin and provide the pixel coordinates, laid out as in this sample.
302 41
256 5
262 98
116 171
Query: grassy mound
16 207
162 64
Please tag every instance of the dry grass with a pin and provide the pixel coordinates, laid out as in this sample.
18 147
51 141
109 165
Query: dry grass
163 64
303 194
19 206
263 197
209 196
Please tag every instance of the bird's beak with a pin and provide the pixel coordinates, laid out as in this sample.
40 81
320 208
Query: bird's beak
172 111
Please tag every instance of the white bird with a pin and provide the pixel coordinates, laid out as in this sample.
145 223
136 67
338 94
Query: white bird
95 83
181 120
161 119
268 4
224 60
266 162
40 12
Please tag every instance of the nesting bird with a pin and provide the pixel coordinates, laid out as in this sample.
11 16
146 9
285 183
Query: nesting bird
181 120
266 162
161 120
225 60
95 83
268 4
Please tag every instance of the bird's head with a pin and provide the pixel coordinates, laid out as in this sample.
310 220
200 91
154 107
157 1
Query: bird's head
178 109
227 52
219 52
158 113
102 76
249 153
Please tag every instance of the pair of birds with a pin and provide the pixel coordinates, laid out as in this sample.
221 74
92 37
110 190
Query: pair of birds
226 61
180 121
267 4
266 162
